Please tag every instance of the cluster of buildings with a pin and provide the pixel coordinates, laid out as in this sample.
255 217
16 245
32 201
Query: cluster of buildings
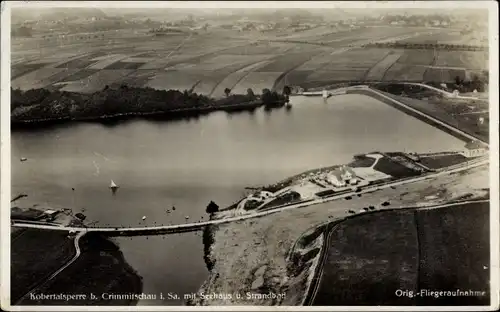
341 177
261 196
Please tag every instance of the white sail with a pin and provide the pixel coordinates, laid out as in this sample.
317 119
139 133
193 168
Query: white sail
113 184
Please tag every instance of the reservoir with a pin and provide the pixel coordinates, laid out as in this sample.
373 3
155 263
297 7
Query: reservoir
187 163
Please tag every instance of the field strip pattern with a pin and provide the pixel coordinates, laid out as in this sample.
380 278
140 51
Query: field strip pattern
97 81
215 81
110 59
404 72
232 80
378 71
257 81
38 78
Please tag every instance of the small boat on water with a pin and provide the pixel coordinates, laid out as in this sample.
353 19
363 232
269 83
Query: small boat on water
143 218
24 159
113 185
288 105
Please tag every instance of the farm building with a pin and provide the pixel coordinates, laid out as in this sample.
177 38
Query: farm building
474 149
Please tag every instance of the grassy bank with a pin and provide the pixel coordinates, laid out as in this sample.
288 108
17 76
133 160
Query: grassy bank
35 255
42 106
101 268
459 113
438 249
435 111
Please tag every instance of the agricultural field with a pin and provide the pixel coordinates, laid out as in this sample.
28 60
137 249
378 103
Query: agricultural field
297 77
403 72
22 69
419 248
78 75
442 252
211 63
40 78
215 83
377 72
257 81
178 80
443 74
344 74
96 81
271 48
442 36
354 267
417 57
366 33
464 59
288 61
316 62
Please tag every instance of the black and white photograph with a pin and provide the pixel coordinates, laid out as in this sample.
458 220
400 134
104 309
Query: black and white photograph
249 155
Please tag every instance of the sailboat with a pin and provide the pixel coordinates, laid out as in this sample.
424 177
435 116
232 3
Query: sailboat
113 185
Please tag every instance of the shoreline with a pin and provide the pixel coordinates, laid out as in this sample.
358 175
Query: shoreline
303 262
175 114
276 268
40 107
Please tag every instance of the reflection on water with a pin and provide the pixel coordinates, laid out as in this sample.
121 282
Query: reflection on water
188 163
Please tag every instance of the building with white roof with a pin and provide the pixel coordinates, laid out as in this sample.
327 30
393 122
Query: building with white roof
474 149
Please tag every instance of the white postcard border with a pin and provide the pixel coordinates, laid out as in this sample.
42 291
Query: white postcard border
6 157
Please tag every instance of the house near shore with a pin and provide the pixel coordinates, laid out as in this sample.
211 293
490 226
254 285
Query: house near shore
335 178
348 175
474 149
342 176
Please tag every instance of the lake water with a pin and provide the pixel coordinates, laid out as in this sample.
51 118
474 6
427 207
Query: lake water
188 163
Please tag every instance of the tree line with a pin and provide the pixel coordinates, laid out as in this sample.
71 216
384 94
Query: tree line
46 104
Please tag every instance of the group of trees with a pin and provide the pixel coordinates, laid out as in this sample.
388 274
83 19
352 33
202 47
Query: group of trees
46 104
476 82
271 97
267 97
